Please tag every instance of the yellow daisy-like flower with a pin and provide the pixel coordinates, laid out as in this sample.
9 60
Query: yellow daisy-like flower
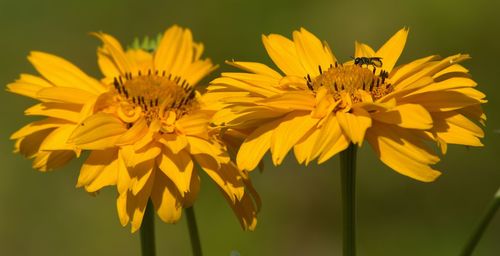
145 127
320 105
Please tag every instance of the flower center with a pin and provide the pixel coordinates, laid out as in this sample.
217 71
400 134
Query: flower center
354 81
154 95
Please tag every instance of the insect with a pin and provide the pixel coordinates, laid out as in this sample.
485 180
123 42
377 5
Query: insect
369 61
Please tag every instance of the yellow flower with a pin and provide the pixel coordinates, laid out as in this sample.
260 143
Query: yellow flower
321 105
66 94
145 128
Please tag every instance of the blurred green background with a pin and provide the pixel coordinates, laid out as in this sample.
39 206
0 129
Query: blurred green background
43 214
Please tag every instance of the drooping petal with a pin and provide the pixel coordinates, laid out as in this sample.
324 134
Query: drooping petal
245 211
99 170
403 151
354 124
255 146
178 168
50 160
58 138
174 142
454 128
166 199
290 130
226 176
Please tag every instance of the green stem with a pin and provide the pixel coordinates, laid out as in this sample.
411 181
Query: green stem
193 232
348 180
148 231
481 227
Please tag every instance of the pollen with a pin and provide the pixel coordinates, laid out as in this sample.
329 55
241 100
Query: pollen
355 81
154 94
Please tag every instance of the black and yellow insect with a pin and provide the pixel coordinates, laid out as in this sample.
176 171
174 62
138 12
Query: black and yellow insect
369 61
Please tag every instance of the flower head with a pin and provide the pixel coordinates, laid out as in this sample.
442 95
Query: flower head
147 126
319 105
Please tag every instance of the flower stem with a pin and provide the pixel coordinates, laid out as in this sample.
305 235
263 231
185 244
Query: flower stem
481 227
348 180
148 231
193 232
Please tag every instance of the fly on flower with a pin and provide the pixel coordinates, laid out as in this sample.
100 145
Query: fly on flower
373 61
318 105
145 126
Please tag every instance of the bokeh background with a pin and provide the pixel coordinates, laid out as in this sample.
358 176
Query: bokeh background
43 214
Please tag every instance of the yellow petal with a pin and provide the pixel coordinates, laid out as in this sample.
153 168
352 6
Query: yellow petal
403 152
448 84
178 168
198 70
226 176
194 189
255 67
245 211
66 95
121 208
136 132
363 50
38 126
68 112
304 149
143 173
442 100
354 124
283 53
166 199
255 146
49 160
199 146
454 128
57 139
138 205
311 52
99 170
193 124
412 116
290 101
133 157
331 140
64 74
174 142
28 85
254 88
263 82
124 179
114 50
405 71
392 49
29 146
176 53
99 131
291 129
